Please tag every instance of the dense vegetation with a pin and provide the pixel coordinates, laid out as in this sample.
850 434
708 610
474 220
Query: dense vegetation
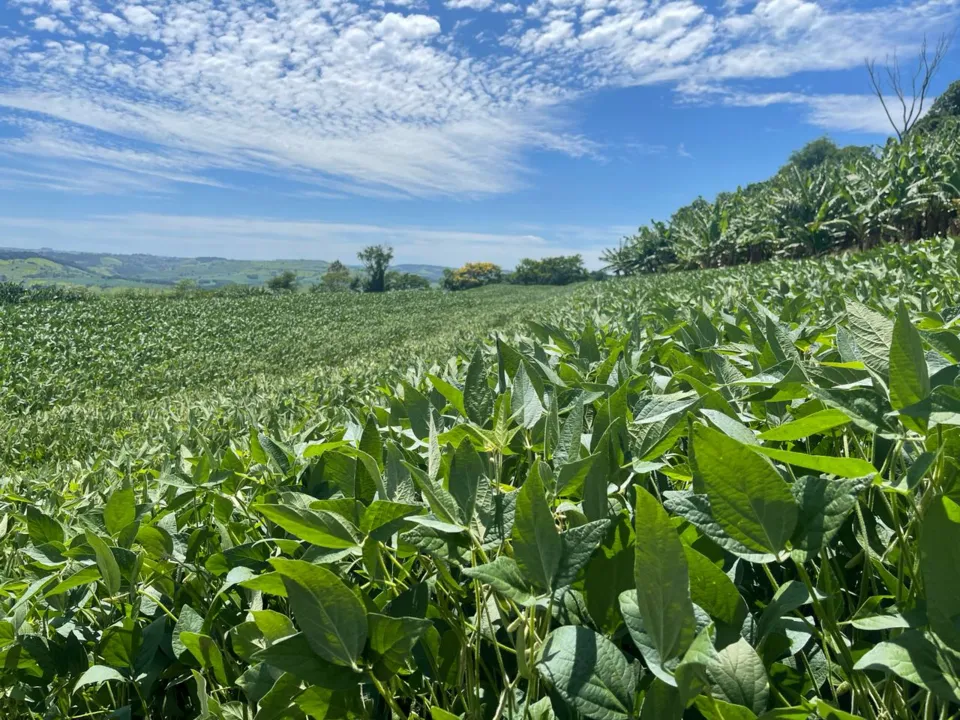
717 494
825 200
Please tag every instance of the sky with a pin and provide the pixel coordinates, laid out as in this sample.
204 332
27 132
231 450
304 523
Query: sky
453 130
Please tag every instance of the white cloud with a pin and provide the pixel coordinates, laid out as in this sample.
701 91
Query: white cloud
261 238
381 98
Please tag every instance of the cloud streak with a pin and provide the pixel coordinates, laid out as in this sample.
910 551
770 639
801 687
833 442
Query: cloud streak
362 99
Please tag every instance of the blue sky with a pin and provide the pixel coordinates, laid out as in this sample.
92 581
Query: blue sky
454 130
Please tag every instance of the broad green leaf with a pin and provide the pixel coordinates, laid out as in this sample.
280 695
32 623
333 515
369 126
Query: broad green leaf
525 403
537 546
84 576
189 621
748 498
940 564
712 590
120 510
578 544
106 562
329 614
205 650
873 334
589 672
609 573
841 466
97 674
808 425
824 505
695 509
478 397
392 640
568 444
918 659
453 395
441 502
384 518
295 656
42 528
692 672
713 709
661 702
318 527
466 473
662 579
909 382
740 678
504 576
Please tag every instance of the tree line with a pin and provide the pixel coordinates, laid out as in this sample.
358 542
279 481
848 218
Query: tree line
826 198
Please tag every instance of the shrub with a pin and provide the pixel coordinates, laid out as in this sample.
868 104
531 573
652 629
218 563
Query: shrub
283 282
560 270
472 275
335 279
405 281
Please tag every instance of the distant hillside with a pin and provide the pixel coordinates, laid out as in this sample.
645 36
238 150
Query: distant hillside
46 266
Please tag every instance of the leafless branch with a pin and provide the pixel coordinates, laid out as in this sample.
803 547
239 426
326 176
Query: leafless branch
890 89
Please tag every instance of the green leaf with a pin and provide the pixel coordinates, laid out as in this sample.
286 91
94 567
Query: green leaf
478 396
873 334
537 546
384 518
120 510
661 702
812 424
568 443
840 466
713 709
713 590
578 545
42 528
525 403
329 614
909 382
939 564
106 562
84 576
466 474
609 573
917 658
692 672
748 498
318 527
96 675
189 621
295 656
440 501
824 505
662 579
740 678
205 650
392 640
453 394
504 576
589 672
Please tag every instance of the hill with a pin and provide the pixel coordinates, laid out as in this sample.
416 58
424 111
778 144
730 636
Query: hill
47 266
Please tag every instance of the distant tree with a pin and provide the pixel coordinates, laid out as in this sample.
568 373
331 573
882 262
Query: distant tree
814 154
560 270
406 281
285 281
472 275
888 86
336 278
185 286
376 259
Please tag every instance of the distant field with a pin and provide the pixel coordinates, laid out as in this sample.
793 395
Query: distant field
80 378
41 267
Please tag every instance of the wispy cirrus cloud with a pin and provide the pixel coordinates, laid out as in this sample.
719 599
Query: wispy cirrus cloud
384 100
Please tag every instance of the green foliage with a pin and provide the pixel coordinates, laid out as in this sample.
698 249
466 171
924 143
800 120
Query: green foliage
472 275
284 281
722 494
405 281
335 279
375 259
561 270
826 199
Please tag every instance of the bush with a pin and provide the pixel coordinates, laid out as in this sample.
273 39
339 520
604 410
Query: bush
335 279
405 281
283 282
561 270
472 275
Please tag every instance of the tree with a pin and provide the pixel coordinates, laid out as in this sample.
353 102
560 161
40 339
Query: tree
185 286
911 108
285 281
406 281
560 270
944 107
336 278
376 259
472 275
